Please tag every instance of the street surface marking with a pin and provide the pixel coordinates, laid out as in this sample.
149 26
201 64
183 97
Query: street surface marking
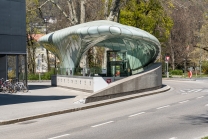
173 138
184 101
194 90
163 107
200 97
59 136
191 90
136 114
103 124
206 105
184 93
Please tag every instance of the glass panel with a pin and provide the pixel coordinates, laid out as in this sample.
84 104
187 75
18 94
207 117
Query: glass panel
11 67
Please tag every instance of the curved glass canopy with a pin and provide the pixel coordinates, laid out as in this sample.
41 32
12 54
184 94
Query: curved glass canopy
70 44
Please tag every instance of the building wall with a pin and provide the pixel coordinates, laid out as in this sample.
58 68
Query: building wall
12 27
12 32
150 79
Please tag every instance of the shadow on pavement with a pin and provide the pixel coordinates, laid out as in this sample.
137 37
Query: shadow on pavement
197 120
36 87
7 99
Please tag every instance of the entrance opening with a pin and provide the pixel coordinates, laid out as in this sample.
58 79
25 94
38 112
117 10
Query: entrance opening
117 63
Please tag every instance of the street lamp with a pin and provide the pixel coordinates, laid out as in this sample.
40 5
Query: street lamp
45 21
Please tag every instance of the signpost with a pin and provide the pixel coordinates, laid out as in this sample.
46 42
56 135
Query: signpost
167 58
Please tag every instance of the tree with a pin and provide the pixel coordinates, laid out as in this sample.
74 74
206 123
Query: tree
31 20
184 35
149 16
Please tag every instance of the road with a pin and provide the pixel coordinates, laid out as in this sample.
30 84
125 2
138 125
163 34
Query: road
180 113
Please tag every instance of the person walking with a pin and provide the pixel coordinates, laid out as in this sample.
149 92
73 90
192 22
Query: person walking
190 74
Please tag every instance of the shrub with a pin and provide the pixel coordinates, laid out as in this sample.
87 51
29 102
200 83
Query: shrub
33 77
43 76
176 72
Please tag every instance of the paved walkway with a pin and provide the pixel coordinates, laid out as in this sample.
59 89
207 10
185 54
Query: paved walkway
43 100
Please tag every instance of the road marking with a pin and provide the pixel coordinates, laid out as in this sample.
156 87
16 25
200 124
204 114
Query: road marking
194 90
136 114
173 138
206 105
182 91
200 97
163 107
102 124
59 136
184 101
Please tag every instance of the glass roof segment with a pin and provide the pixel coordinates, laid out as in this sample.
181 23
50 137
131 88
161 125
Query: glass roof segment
69 44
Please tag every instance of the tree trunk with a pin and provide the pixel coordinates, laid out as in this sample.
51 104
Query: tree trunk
83 8
106 9
114 10
48 61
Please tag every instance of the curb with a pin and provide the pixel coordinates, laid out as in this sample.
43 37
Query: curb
87 106
180 79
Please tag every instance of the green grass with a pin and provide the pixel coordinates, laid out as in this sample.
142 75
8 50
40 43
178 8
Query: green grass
205 138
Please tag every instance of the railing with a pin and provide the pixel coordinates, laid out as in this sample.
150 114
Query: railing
79 71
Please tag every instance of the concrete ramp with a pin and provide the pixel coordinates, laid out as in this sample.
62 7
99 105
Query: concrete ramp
149 79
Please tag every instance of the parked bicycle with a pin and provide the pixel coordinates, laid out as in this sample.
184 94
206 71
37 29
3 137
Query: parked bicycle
12 86
20 86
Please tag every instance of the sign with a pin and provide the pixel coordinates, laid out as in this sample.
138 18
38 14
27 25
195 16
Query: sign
108 80
167 58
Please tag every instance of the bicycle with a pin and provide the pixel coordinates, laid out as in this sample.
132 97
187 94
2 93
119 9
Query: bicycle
20 86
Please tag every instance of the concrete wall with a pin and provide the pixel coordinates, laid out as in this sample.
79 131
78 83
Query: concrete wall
86 84
148 80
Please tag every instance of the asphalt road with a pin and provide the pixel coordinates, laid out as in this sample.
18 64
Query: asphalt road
181 113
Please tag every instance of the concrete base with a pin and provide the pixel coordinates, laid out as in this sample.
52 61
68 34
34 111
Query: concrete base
150 79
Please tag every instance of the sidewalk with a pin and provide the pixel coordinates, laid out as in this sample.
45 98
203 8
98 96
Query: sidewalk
43 100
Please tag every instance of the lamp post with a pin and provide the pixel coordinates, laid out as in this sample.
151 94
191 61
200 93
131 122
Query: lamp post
167 57
47 53
45 21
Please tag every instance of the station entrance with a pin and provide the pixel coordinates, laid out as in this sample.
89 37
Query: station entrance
117 64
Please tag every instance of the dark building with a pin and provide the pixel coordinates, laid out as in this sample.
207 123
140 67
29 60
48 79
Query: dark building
13 39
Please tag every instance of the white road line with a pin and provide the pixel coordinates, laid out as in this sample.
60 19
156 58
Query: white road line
191 91
184 101
194 90
173 138
102 124
163 107
197 90
182 91
200 97
136 114
206 105
59 136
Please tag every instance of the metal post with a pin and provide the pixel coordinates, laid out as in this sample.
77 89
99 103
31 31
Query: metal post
17 67
200 62
167 70
39 65
25 66
6 67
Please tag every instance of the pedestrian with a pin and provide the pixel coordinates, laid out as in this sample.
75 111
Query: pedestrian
190 74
